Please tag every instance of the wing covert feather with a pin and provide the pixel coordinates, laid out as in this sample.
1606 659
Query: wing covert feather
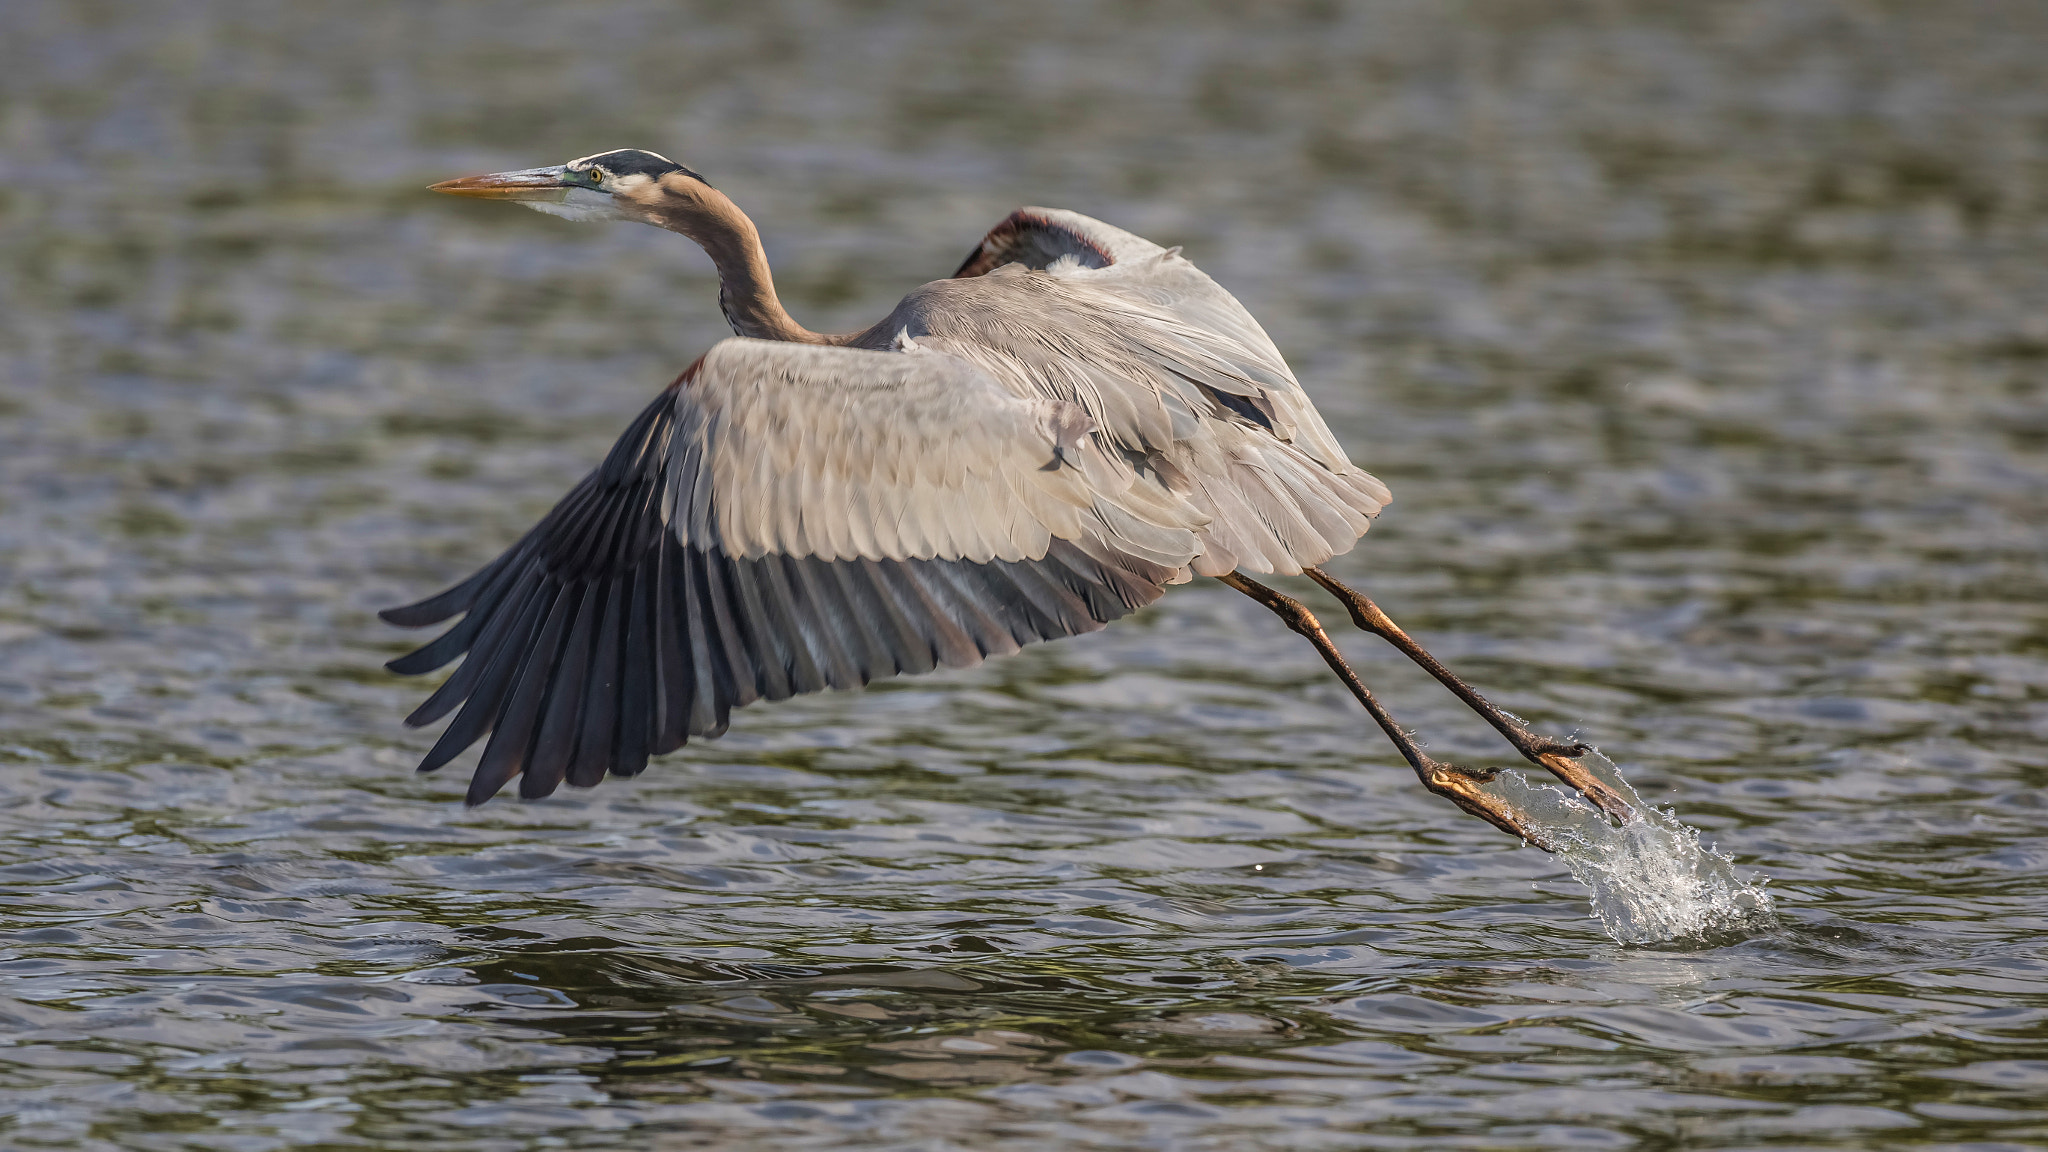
845 453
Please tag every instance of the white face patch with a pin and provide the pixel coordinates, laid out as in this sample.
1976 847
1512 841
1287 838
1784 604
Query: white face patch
580 204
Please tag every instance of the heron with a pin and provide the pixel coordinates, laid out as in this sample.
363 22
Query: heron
1040 444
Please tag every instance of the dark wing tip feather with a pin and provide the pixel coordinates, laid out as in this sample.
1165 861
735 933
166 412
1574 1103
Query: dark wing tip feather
527 639
432 610
420 660
573 680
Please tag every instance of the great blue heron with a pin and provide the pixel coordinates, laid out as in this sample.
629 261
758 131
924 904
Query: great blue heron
1027 450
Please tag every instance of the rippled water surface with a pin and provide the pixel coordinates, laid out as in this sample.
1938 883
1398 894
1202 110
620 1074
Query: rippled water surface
1703 345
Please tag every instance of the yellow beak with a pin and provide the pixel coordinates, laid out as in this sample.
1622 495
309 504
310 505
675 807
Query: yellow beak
543 184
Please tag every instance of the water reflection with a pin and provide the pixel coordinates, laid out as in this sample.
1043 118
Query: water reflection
1700 344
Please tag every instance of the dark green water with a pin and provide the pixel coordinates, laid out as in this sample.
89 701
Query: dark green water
1703 345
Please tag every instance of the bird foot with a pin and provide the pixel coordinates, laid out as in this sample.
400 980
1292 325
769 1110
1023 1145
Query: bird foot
1461 786
1562 761
1566 767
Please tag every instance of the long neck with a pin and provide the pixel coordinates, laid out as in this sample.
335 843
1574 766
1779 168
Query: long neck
746 288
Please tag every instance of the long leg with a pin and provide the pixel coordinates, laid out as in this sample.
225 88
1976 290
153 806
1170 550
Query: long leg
1559 759
1458 785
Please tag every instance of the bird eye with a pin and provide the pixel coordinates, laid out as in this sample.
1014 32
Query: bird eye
597 175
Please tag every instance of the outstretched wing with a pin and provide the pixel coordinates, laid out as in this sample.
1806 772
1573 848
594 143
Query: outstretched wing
785 518
1179 376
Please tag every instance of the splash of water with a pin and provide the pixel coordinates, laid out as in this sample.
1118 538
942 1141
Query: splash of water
1651 879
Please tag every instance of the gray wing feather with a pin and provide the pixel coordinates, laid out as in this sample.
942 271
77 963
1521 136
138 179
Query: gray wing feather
838 453
1191 400
755 535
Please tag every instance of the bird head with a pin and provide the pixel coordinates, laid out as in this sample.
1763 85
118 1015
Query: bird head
618 185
